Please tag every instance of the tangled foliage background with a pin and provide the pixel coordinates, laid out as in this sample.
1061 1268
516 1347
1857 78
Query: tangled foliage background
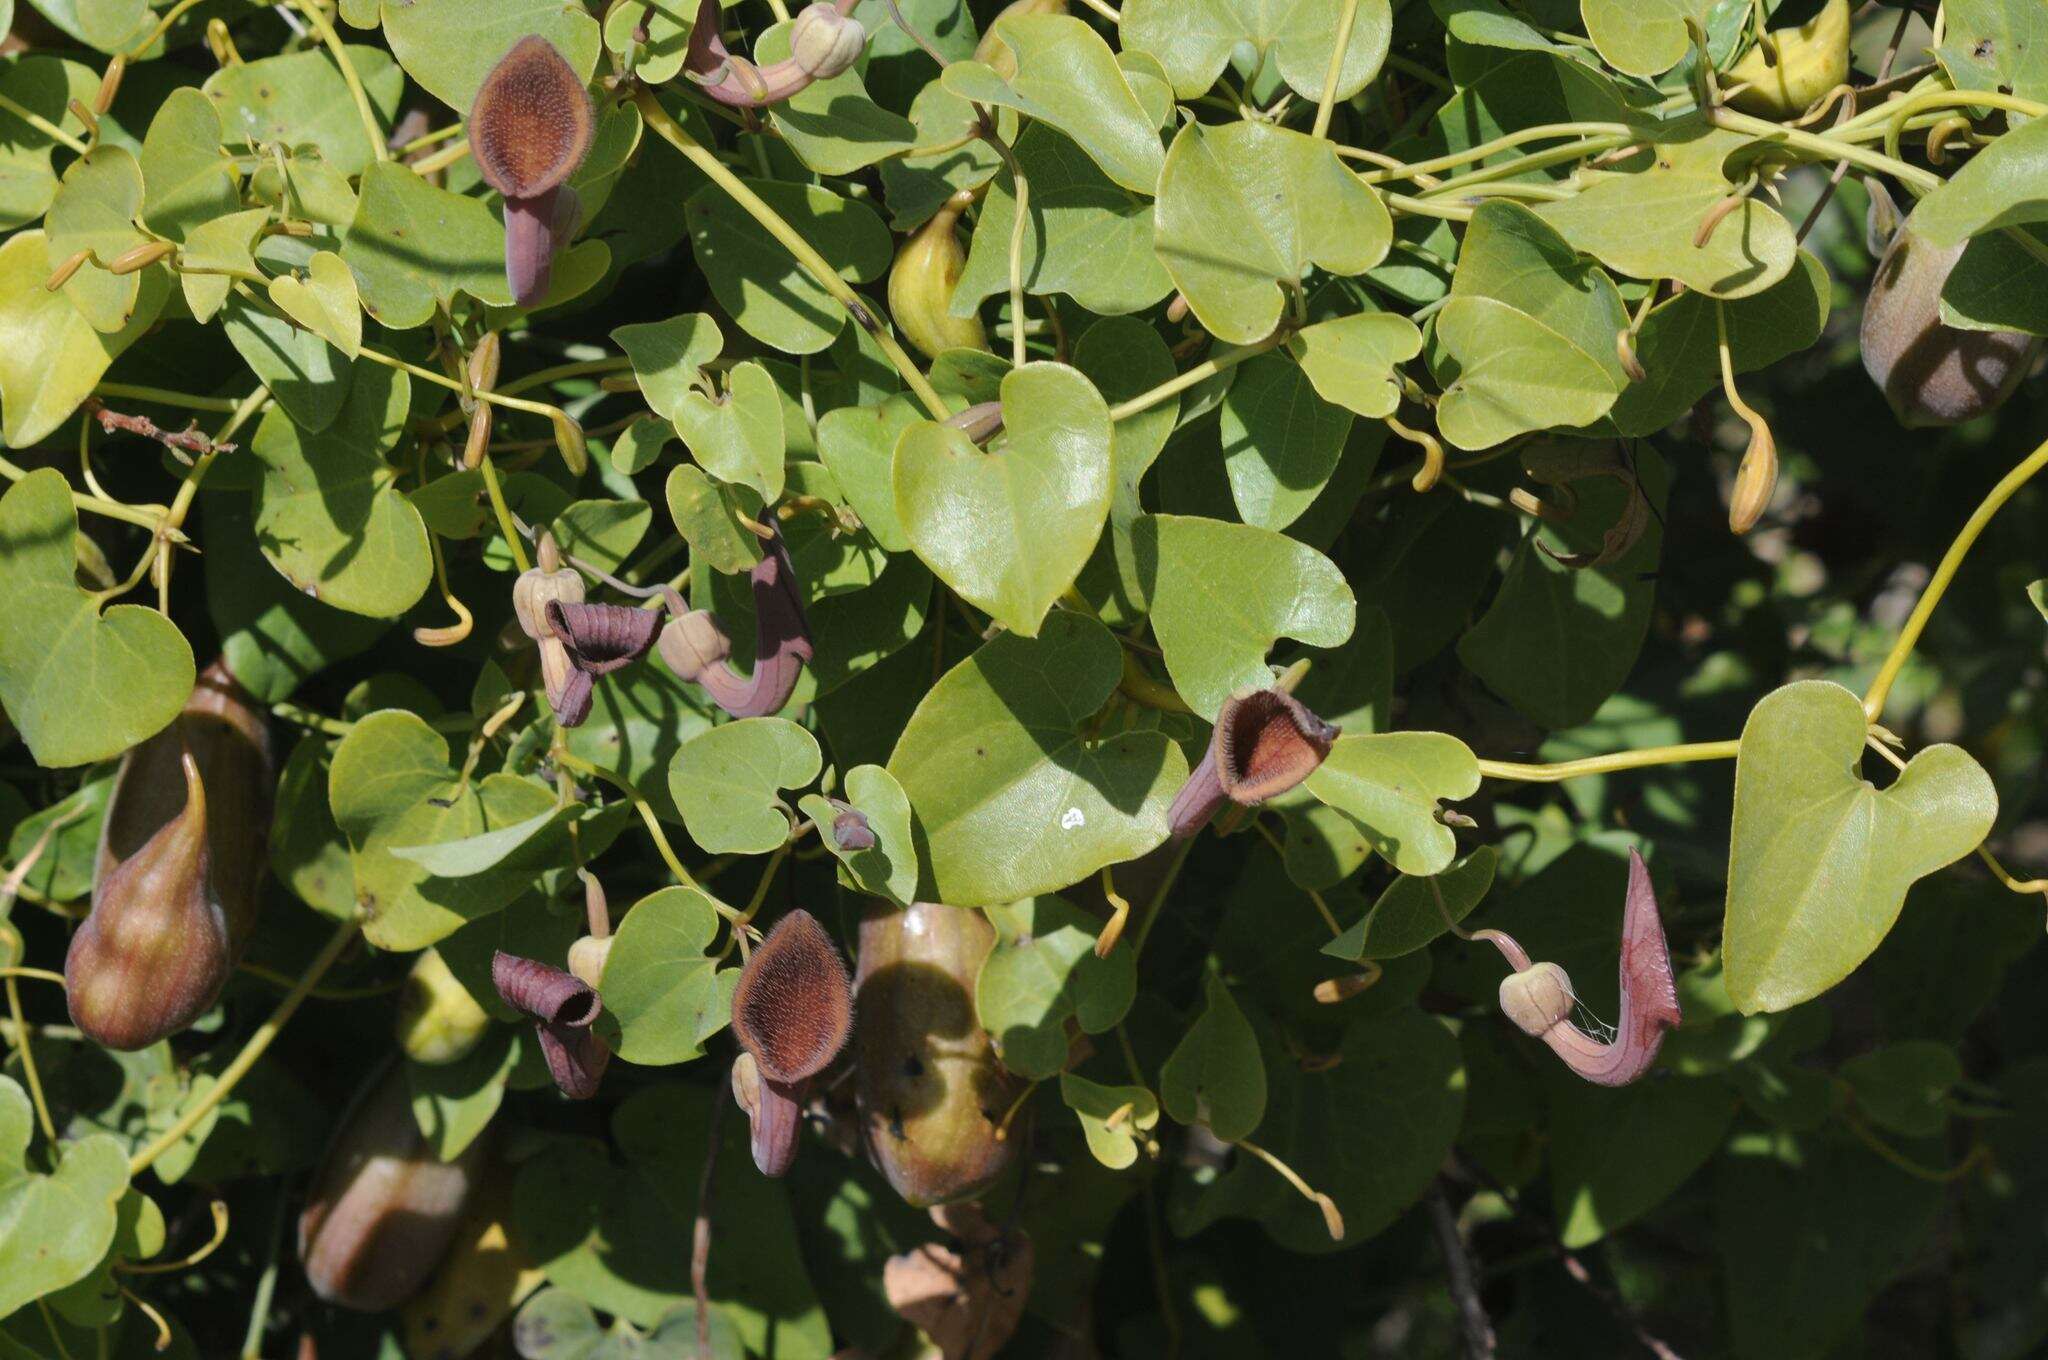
601 600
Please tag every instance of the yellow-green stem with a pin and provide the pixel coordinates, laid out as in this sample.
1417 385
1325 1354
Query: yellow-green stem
1937 586
1200 373
1328 103
259 1042
1608 764
513 540
28 1062
42 124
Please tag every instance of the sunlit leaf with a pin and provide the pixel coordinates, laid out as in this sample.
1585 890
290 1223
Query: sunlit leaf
1821 858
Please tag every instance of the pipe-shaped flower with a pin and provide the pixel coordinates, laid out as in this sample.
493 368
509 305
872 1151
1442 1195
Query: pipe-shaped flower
598 639
562 1007
529 128
791 1012
695 645
1539 999
825 41
1264 743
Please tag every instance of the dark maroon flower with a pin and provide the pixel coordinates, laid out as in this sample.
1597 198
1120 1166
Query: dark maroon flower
1264 743
562 1007
529 128
598 639
696 646
791 1012
850 829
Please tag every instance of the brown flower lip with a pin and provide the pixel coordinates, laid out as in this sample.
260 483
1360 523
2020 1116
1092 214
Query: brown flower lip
793 1007
1264 743
696 646
563 1008
597 639
529 128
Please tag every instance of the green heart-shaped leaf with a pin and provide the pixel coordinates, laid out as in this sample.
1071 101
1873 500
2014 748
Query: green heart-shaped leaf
727 783
1644 224
1223 594
80 685
737 438
1042 970
1114 1119
754 276
53 1229
300 99
1281 441
324 302
1390 784
1820 859
668 357
603 532
858 443
328 515
1010 528
1415 910
44 86
663 995
888 868
188 181
1397 1070
1194 40
1621 1153
1086 235
391 786
413 246
1067 76
1527 338
309 377
1643 37
1353 360
272 636
707 515
1010 798
1679 345
1247 207
50 355
96 210
1215 1075
215 253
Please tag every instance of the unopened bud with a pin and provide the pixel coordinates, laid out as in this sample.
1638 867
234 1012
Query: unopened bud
825 43
587 956
1538 999
548 582
1625 350
1755 479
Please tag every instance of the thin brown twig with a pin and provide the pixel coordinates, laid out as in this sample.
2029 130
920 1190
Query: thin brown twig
185 443
1472 1319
